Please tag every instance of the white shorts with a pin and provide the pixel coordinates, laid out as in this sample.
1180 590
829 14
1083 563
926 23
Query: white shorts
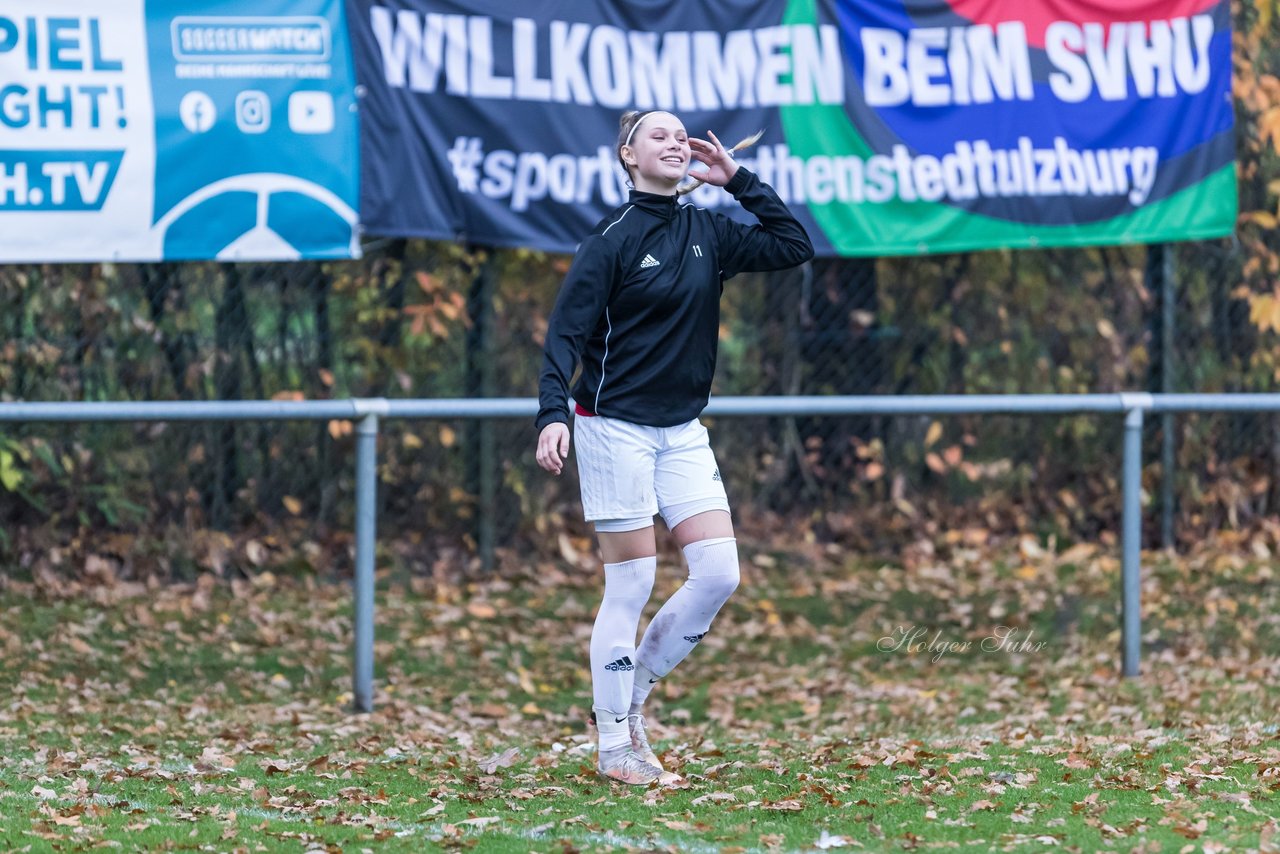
629 471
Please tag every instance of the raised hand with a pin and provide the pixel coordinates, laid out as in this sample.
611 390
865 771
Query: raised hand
719 162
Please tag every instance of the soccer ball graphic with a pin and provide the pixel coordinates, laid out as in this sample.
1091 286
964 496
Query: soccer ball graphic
260 216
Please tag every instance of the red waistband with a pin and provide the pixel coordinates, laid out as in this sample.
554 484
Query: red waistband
580 410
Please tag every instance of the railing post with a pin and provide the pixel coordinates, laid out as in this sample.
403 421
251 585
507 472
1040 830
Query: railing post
366 543
1131 530
481 448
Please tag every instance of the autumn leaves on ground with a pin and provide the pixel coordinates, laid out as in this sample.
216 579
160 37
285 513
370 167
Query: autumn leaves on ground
840 702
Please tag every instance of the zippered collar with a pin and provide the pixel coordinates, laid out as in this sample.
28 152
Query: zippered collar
661 206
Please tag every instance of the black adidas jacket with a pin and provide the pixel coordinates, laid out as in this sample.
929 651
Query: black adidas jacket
641 303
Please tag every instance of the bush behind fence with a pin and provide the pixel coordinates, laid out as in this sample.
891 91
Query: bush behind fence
419 319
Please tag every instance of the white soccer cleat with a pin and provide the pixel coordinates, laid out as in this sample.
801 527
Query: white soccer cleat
626 766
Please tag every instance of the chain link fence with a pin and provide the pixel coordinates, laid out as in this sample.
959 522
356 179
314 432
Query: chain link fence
432 319
422 319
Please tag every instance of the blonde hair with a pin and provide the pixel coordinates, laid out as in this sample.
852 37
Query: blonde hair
627 124
631 119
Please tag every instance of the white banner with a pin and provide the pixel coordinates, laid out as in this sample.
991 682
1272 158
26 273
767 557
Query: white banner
129 133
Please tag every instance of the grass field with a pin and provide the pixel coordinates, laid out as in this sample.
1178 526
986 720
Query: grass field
834 705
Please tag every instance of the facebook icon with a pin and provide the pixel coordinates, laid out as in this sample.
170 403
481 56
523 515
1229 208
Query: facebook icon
197 112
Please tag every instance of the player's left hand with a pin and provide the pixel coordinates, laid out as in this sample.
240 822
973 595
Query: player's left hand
720 164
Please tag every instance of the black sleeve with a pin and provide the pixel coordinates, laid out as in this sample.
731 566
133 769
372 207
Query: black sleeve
579 307
778 242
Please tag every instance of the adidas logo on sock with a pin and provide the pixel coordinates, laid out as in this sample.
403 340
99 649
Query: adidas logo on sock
649 261
695 638
623 663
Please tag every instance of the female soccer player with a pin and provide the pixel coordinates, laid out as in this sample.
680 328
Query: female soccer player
640 309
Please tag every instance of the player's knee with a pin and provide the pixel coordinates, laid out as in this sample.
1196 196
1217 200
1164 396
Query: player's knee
713 566
722 586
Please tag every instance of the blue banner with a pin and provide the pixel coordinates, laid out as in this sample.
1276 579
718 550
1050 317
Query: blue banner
182 129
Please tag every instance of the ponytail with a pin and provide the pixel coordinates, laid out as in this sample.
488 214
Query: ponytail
689 187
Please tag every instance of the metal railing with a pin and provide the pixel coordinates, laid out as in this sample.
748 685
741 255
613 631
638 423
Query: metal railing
366 412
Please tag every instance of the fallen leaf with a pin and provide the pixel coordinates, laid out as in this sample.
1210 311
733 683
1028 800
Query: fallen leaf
826 841
786 805
933 434
480 821
482 610
505 759
1268 843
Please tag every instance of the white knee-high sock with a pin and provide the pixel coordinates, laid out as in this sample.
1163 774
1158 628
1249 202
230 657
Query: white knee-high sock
680 624
613 645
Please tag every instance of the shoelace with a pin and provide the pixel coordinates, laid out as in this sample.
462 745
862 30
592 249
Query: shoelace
639 738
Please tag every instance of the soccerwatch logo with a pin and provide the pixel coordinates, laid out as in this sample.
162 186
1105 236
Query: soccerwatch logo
237 39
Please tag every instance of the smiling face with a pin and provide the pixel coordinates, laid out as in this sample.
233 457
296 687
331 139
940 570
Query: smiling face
658 156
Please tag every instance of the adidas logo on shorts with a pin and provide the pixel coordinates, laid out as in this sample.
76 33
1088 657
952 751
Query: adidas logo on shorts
695 638
649 261
623 663
716 475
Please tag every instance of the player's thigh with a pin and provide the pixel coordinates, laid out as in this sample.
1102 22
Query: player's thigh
707 525
622 546
616 462
686 476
